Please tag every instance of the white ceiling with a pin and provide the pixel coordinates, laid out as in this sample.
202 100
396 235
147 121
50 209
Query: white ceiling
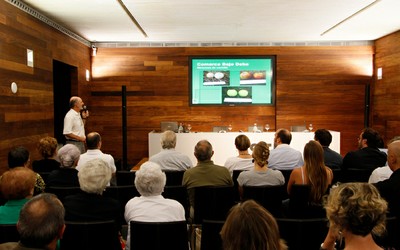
223 20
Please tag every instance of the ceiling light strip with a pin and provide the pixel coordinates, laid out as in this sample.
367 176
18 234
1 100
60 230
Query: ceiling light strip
132 18
28 9
349 17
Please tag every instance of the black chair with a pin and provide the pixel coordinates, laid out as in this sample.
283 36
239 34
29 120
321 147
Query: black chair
125 178
178 193
355 175
301 234
337 175
270 197
212 202
235 175
90 235
300 205
62 192
286 174
8 233
159 235
210 237
122 194
44 175
174 178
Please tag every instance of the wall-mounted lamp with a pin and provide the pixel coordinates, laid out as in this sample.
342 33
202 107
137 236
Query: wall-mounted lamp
29 57
94 50
14 87
379 74
87 75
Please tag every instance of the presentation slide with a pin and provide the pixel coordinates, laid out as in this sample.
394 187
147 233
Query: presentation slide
232 81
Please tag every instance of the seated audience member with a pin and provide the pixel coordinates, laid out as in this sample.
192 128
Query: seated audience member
260 175
66 175
283 157
243 161
355 212
94 143
250 226
205 173
382 173
16 185
390 188
368 156
332 159
40 225
313 173
47 148
91 205
168 158
19 157
151 206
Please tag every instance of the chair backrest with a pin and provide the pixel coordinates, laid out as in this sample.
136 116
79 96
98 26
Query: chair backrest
301 234
355 175
212 202
122 194
210 237
62 192
235 175
90 235
44 175
270 197
299 203
174 178
390 239
125 178
178 193
159 235
8 233
286 174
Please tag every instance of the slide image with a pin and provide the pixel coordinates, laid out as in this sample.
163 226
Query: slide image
216 78
253 77
237 95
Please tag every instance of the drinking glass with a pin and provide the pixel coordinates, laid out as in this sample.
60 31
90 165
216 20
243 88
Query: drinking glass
310 127
189 127
267 127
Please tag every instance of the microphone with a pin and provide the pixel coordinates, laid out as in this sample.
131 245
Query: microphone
84 108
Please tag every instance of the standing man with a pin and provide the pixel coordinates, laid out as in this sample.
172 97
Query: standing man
74 123
283 157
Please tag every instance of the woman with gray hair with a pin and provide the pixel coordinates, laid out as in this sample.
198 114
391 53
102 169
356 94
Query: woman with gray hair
151 206
90 204
67 175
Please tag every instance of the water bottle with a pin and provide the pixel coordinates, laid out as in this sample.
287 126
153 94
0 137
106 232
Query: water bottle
255 129
180 129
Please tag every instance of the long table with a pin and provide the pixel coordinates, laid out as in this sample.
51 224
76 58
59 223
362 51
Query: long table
224 143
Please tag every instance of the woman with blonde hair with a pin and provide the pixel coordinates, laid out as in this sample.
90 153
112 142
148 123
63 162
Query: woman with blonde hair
355 212
260 175
250 226
313 173
47 148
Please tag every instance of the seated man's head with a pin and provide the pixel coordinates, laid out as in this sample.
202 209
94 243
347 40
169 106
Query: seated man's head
69 155
18 157
94 176
369 138
41 222
323 136
282 136
356 208
168 139
150 180
93 140
203 150
17 183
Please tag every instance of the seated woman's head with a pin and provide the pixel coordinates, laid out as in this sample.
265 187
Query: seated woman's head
242 142
17 183
149 179
47 147
261 153
68 155
250 226
356 208
94 176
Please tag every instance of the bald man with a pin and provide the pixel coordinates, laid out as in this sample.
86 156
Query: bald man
74 123
390 188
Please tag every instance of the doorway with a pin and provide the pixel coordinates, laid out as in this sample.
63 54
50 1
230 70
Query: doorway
64 77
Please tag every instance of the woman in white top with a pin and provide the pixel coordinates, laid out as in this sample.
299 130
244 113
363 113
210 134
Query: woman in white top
260 175
243 161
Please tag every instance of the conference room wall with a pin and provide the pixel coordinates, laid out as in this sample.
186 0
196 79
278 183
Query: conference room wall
385 111
28 115
323 85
